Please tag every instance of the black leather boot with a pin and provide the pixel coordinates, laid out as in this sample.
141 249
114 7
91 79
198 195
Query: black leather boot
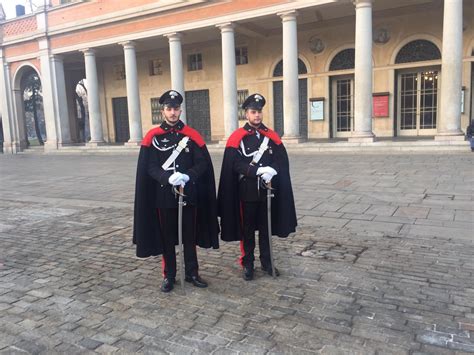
196 281
268 270
167 284
248 273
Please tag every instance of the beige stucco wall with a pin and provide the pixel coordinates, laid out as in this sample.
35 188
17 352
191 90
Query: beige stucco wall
264 54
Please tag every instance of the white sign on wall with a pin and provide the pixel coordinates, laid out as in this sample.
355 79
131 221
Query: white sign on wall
317 109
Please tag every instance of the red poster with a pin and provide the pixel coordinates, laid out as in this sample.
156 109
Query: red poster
380 106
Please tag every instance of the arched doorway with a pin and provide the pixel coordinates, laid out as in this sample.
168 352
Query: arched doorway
417 90
342 94
28 103
278 99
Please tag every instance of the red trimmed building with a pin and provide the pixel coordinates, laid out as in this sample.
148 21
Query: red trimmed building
353 70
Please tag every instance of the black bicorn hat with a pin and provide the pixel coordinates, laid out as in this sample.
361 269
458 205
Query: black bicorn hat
254 102
171 98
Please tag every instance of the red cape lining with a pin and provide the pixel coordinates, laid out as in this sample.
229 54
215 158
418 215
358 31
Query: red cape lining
236 137
187 131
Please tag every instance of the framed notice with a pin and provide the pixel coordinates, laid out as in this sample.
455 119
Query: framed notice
317 108
380 104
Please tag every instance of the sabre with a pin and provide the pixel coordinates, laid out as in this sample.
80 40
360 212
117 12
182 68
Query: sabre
269 221
181 203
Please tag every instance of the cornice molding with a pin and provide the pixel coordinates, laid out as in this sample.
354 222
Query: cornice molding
211 22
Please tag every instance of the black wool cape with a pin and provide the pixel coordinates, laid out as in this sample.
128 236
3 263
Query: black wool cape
146 228
228 201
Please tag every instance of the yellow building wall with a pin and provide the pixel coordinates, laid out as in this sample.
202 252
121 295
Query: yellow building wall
264 54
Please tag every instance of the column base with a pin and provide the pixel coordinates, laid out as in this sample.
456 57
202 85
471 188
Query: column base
65 144
132 144
50 145
455 136
223 141
95 144
362 137
11 148
292 140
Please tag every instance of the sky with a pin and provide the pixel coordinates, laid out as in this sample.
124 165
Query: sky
9 6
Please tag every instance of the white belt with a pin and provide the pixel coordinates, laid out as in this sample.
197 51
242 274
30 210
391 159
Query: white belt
263 147
181 145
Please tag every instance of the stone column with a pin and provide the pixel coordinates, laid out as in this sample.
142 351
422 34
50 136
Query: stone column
291 107
48 88
18 117
363 73
449 123
61 103
11 142
95 118
133 95
229 80
176 68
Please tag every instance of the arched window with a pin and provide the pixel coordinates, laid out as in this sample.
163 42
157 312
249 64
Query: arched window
345 59
278 71
418 51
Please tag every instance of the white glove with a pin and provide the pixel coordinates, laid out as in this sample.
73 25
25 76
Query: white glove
184 180
267 177
266 169
175 179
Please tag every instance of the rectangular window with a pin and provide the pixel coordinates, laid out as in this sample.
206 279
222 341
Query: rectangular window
241 96
241 56
156 117
156 67
194 62
119 71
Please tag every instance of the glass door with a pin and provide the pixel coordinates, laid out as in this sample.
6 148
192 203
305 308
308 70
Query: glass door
418 102
343 106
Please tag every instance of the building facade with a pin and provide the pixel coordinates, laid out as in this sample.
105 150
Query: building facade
353 70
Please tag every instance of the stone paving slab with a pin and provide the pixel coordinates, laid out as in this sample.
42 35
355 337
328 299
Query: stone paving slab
356 277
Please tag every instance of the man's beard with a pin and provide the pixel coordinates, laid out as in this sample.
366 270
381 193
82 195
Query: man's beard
172 119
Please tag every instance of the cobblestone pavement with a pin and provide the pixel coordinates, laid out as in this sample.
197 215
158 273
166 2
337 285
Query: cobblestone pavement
381 263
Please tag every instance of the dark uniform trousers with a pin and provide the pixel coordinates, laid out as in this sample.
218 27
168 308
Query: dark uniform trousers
169 228
255 218
190 161
253 199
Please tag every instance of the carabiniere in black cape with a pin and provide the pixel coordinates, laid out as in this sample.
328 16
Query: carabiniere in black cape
146 228
283 206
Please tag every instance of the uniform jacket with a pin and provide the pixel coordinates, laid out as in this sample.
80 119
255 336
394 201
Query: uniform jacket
236 167
153 191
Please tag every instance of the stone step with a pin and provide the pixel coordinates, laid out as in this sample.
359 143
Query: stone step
385 146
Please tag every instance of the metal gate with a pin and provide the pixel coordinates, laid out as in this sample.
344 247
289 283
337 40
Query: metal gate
278 107
198 112
122 130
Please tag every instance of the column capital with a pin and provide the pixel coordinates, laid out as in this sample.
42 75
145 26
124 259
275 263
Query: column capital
362 3
288 15
226 27
128 44
56 57
88 51
173 36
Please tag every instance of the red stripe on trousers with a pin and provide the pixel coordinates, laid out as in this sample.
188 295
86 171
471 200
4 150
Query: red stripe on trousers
242 250
163 261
